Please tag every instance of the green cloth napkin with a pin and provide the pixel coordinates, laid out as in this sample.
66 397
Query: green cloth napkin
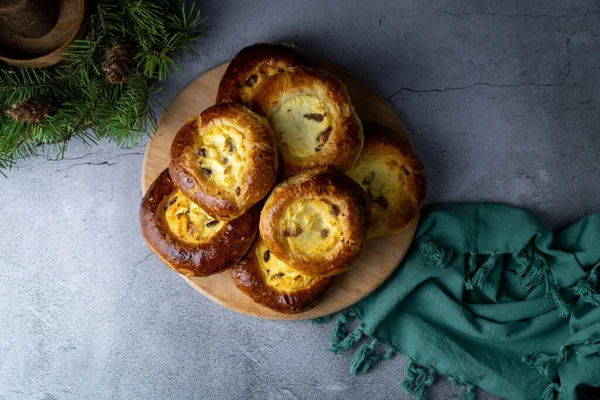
489 297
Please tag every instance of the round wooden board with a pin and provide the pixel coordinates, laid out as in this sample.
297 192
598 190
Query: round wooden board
380 256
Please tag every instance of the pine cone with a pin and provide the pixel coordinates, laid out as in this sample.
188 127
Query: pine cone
32 110
117 64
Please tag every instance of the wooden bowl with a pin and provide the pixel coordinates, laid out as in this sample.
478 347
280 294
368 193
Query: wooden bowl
45 51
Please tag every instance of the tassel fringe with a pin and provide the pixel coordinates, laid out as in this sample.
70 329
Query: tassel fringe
587 292
417 380
522 260
339 334
548 393
339 346
588 347
478 279
546 364
456 381
470 271
436 256
563 309
322 320
588 288
365 357
531 272
470 394
472 264
534 272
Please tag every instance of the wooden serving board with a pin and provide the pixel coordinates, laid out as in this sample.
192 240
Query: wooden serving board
380 256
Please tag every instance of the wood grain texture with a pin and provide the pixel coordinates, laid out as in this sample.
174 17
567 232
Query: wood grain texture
380 256
47 50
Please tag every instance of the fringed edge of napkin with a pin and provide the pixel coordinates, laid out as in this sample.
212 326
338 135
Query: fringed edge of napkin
418 378
534 270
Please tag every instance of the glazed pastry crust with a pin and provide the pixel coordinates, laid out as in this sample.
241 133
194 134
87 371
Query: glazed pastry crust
197 165
313 119
248 276
300 209
251 66
223 249
396 203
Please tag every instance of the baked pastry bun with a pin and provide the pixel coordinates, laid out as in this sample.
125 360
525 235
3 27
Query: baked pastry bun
314 122
394 179
249 68
186 238
316 221
274 284
225 160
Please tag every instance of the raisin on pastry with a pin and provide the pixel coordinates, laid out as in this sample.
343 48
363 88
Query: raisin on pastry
274 284
251 66
313 119
393 177
186 238
225 160
316 221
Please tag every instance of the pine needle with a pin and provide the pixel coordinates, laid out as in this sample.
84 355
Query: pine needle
90 108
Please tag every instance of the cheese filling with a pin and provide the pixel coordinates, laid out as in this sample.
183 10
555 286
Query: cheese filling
188 221
312 226
302 125
384 180
278 274
222 155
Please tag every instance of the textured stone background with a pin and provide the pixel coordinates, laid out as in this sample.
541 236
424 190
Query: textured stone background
500 99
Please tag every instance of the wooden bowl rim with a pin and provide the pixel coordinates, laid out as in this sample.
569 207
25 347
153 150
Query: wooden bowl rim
53 57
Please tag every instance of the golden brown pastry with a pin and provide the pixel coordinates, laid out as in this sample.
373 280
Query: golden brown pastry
274 284
225 160
314 122
316 221
394 178
187 239
251 66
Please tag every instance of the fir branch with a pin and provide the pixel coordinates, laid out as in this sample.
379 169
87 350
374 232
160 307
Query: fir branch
146 20
20 84
89 107
186 21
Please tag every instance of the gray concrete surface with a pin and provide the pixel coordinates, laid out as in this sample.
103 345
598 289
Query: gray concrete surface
501 101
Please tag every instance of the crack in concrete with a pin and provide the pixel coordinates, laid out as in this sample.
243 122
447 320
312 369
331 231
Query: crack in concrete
40 317
137 146
487 84
253 359
451 88
73 158
489 14
135 276
98 163
86 163
533 16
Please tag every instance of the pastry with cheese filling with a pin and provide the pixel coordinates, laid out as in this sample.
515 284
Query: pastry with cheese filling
313 120
316 221
274 284
251 66
224 160
186 238
394 179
